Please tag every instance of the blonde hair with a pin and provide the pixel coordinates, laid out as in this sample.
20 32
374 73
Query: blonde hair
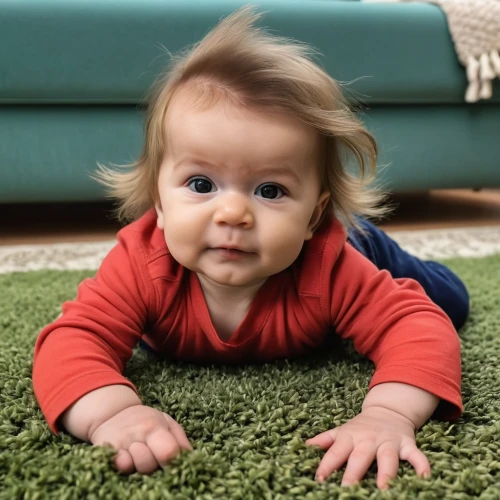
259 70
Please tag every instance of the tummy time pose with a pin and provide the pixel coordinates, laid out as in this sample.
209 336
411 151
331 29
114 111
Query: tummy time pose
247 242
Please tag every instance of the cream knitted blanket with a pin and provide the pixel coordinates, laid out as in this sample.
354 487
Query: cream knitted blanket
475 30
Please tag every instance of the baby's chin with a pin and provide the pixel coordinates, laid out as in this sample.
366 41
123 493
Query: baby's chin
227 280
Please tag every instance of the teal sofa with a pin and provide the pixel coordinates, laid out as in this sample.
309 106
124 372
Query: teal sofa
72 73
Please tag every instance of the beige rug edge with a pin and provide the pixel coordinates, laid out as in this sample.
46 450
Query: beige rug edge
426 244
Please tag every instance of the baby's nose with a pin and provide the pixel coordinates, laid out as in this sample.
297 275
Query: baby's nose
234 209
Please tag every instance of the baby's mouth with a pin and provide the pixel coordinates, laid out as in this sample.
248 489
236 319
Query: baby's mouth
231 252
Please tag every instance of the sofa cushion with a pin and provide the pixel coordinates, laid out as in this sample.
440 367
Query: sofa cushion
47 153
94 51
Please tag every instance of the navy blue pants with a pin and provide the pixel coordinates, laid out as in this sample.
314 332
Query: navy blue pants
442 286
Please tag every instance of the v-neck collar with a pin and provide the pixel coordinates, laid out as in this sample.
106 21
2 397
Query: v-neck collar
254 320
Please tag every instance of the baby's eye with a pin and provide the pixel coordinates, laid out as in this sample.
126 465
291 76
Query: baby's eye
200 185
269 191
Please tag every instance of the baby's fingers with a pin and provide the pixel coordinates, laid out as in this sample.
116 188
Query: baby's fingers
178 432
144 460
387 464
123 462
359 462
416 458
325 439
163 446
335 457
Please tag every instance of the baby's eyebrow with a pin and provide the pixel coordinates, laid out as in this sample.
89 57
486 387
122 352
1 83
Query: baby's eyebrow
287 171
278 170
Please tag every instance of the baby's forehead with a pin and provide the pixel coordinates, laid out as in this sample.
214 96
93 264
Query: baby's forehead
192 106
200 96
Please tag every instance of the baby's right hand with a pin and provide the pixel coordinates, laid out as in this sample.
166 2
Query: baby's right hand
144 437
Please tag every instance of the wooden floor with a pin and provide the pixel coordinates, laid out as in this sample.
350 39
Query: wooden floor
54 223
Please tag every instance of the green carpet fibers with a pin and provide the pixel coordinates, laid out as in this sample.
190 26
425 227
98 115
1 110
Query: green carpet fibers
248 423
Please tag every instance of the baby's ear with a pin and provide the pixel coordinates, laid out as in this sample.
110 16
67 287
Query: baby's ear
317 215
160 221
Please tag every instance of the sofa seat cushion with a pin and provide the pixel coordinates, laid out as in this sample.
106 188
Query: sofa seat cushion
47 153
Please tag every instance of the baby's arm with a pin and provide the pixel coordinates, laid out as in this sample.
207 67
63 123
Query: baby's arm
416 352
383 431
144 437
80 358
413 403
90 411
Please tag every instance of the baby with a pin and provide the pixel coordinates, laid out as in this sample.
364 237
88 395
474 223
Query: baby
247 244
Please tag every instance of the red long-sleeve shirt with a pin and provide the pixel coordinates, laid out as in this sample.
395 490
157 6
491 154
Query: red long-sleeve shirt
141 291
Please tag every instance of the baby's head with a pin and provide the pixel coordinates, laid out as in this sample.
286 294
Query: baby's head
245 134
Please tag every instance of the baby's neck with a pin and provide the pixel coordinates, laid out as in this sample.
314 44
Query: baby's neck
227 305
225 294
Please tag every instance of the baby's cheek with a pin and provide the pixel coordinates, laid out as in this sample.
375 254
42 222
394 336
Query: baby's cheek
182 252
284 251
181 223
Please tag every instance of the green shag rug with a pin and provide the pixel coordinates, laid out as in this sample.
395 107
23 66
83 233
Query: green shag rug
247 424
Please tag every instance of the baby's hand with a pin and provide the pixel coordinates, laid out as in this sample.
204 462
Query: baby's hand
376 433
144 437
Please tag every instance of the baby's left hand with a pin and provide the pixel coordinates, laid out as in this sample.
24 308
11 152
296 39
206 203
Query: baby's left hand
376 433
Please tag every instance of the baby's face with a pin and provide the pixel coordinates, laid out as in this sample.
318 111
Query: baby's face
239 190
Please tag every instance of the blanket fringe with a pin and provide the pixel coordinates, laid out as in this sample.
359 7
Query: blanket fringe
480 73
495 60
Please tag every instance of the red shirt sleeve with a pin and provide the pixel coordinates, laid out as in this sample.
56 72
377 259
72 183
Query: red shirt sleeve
88 346
394 324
